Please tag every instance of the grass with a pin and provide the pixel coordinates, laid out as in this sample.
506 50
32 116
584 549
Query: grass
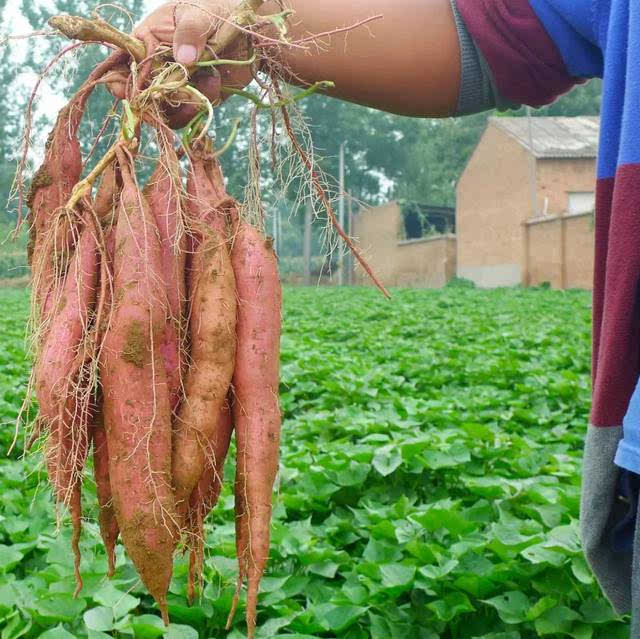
13 254
429 485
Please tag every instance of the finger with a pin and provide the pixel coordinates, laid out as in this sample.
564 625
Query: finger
117 81
149 38
193 28
208 83
163 32
179 117
151 45
160 22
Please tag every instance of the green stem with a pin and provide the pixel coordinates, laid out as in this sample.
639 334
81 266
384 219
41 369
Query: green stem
208 109
9 616
232 136
229 63
191 128
324 84
247 95
129 122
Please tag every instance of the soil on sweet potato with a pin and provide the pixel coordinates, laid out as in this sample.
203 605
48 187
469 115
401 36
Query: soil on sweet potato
136 345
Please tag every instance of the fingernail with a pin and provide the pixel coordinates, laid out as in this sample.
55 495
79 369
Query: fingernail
186 54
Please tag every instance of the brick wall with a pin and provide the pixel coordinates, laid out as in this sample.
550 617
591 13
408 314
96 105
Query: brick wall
558 177
493 200
428 262
560 251
579 252
494 203
545 253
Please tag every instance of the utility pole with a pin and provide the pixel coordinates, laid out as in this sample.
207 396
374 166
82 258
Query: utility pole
349 231
274 231
279 231
533 179
341 278
532 167
308 214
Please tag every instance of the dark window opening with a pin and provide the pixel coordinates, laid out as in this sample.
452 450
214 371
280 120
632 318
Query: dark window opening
422 220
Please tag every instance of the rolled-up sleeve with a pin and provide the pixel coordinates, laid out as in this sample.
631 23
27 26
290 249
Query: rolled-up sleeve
478 91
525 63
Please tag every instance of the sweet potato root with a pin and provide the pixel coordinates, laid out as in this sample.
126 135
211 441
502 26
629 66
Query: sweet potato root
256 413
56 362
163 194
205 496
136 400
58 383
66 453
51 187
205 189
106 206
107 196
52 236
109 529
213 345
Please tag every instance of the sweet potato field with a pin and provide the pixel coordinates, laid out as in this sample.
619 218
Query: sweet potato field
428 487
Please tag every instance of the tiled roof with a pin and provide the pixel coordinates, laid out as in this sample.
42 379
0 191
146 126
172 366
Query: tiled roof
554 137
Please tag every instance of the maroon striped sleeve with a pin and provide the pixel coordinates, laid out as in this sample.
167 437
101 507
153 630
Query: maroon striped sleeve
526 64
616 303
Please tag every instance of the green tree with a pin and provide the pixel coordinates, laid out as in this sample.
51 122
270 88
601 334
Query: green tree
10 122
439 153
18 61
386 156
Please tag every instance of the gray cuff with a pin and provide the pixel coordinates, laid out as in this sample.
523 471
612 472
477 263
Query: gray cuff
478 91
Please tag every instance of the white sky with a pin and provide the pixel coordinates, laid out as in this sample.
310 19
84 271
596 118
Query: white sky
48 101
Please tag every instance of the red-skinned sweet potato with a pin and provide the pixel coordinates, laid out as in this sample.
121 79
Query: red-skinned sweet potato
51 187
52 237
136 400
107 196
205 495
109 529
59 383
256 413
205 190
213 344
163 194
56 361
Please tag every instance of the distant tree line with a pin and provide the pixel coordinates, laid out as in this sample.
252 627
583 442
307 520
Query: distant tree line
386 156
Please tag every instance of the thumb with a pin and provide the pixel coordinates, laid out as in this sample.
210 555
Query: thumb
193 27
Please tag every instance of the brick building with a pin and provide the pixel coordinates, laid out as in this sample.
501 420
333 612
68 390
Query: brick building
524 213
525 203
405 246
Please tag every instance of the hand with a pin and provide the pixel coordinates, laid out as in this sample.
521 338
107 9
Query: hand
187 26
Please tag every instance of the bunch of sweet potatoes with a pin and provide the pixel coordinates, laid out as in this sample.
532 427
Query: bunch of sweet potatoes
157 314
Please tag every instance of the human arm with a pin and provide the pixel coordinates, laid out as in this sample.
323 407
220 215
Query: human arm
406 62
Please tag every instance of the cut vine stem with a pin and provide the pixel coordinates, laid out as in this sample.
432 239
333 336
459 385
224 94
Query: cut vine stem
83 188
97 29
229 31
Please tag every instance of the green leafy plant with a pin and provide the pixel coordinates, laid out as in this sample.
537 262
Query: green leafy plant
429 484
